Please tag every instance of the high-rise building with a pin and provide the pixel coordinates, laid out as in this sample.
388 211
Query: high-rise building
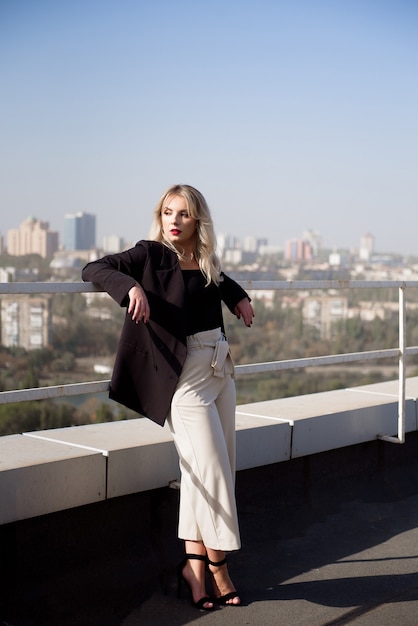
366 247
26 321
298 250
253 244
314 239
226 242
324 311
113 243
32 237
80 231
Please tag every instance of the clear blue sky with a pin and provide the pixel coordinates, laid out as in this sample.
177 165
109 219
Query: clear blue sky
287 115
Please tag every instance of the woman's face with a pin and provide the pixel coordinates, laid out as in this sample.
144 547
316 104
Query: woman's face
178 227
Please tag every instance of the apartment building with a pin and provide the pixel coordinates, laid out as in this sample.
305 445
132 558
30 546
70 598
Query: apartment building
32 237
26 321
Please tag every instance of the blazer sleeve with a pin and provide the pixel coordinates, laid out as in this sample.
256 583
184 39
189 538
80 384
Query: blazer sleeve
231 292
117 273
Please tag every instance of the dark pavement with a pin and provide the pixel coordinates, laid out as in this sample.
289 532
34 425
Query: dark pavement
328 540
357 566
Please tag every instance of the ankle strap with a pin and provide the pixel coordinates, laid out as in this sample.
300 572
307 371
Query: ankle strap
195 557
218 564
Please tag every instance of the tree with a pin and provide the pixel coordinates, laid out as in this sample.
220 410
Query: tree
104 413
20 417
30 379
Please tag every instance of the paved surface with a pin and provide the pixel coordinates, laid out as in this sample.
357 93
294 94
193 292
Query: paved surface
358 566
327 540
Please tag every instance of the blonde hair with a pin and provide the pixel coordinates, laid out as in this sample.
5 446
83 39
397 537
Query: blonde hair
205 247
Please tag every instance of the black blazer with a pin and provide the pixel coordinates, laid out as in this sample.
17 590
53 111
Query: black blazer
150 357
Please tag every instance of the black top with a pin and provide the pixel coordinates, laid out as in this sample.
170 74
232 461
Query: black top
202 304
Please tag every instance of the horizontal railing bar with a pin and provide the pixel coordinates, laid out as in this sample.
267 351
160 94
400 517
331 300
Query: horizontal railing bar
277 285
271 366
326 284
31 288
55 391
76 389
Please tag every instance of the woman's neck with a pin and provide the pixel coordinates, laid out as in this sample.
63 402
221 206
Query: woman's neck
188 261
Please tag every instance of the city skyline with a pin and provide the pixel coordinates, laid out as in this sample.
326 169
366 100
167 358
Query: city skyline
287 115
305 235
34 235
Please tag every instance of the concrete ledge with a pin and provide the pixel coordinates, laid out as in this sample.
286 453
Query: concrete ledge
260 440
335 419
391 388
141 454
38 477
351 419
46 471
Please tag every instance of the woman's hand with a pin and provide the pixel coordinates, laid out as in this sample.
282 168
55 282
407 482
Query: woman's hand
138 304
245 311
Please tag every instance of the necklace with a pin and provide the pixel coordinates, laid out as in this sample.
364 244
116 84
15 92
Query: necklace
186 258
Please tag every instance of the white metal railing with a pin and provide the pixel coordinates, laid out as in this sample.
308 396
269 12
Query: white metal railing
99 386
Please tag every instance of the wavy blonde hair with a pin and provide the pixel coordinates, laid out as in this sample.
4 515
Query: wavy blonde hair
205 247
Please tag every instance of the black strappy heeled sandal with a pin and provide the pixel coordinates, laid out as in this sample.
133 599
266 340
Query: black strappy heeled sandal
224 600
181 579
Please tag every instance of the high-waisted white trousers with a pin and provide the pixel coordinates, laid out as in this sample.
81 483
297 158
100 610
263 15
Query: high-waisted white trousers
202 422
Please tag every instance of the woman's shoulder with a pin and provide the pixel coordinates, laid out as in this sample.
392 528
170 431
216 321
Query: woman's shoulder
158 251
148 243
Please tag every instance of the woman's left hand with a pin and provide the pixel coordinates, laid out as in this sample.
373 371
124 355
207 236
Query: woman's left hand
245 311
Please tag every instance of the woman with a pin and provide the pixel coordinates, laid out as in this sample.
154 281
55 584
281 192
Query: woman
173 363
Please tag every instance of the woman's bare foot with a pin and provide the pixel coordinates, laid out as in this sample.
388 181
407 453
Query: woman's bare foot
193 573
223 588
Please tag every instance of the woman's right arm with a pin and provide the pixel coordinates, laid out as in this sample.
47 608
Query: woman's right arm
120 275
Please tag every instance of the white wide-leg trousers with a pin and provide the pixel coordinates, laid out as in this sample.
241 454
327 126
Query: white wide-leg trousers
202 422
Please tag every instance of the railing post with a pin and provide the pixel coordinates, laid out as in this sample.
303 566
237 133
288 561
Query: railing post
402 369
402 363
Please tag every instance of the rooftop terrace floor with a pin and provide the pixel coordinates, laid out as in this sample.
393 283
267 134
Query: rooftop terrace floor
329 539
358 566
346 553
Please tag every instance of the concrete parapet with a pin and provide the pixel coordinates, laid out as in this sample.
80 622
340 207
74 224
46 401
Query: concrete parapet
334 419
39 477
52 470
141 455
260 440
